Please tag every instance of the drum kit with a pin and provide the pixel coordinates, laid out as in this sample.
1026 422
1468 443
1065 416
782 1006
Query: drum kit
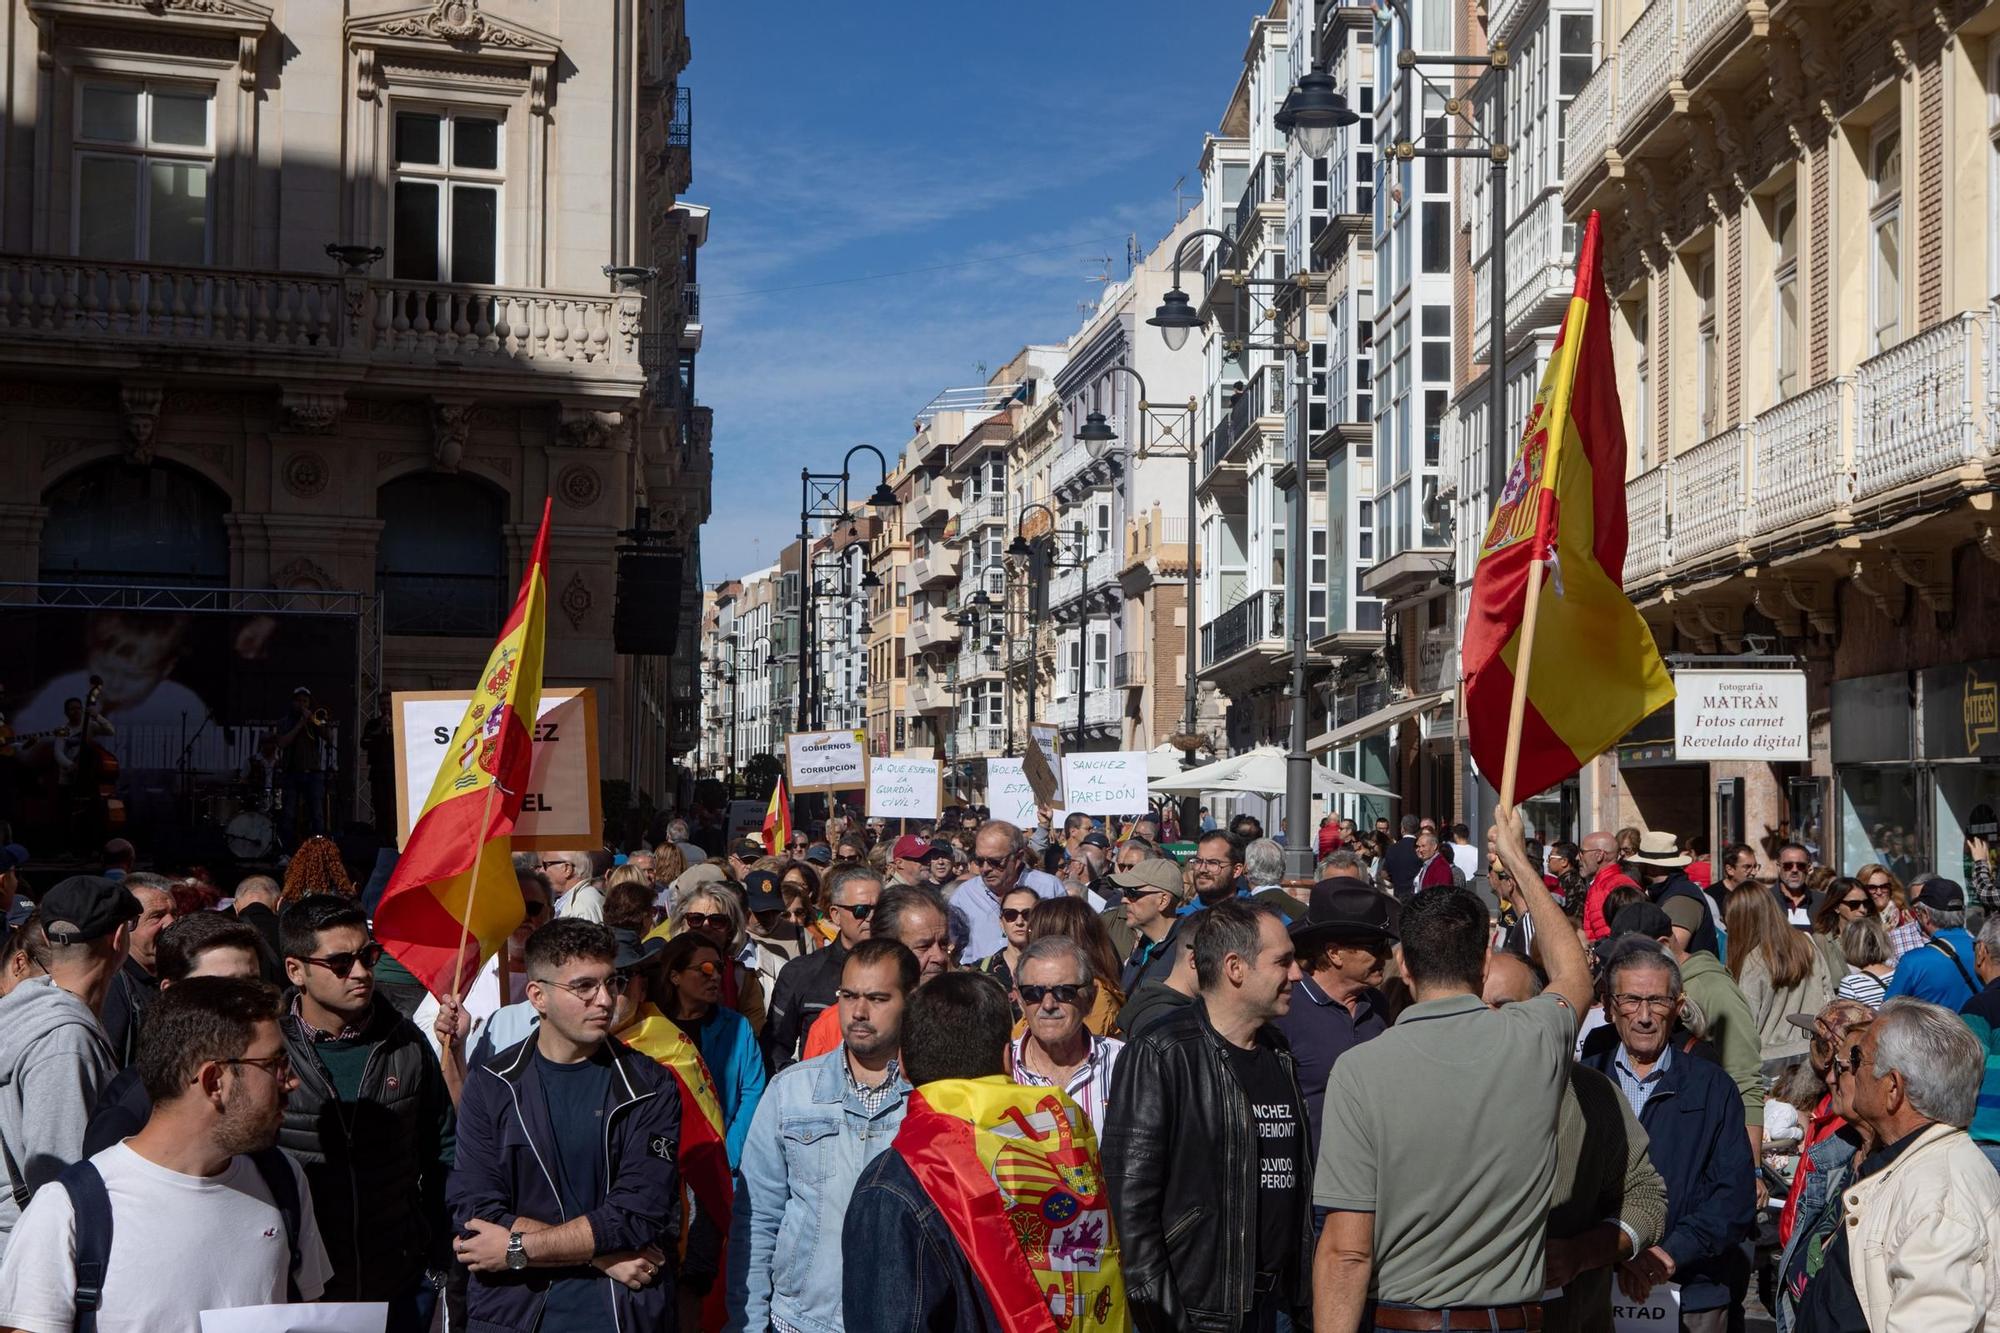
248 809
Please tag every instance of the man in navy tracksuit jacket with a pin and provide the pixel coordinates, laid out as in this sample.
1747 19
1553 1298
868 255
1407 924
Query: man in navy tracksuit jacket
566 1181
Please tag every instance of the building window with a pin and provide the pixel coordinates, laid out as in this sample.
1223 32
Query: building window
1316 585
1885 226
144 160
1642 402
440 566
1708 358
1785 236
447 197
1576 47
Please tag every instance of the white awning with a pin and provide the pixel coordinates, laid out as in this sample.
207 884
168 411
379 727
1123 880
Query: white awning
1380 720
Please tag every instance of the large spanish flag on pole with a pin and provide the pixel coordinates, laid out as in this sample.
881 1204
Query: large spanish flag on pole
452 899
778 820
1551 571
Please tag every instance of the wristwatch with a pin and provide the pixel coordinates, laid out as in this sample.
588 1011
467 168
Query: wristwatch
517 1258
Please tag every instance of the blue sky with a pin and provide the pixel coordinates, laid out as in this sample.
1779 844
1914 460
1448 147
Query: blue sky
839 141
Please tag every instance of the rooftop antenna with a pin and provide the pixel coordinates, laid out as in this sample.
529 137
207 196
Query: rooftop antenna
1131 252
1104 269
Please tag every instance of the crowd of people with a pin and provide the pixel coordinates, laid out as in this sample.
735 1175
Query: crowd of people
980 1076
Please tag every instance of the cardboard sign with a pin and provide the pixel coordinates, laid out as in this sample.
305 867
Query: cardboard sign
1732 715
1043 784
905 788
826 760
1106 784
563 806
1009 794
1045 743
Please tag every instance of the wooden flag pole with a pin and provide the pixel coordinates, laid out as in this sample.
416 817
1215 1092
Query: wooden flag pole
1517 707
472 891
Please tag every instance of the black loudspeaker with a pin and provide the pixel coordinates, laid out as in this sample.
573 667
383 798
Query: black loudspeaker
646 621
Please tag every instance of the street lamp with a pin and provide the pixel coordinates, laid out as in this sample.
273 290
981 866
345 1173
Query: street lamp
1176 316
823 498
1313 111
1021 549
734 674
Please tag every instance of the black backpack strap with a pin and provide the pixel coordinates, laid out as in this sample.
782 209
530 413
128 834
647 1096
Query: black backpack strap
276 1169
1944 948
91 1203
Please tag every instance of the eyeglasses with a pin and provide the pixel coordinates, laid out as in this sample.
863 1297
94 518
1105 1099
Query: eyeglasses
551 865
587 989
278 1066
1065 994
1878 886
1011 914
1632 1004
340 964
993 862
1852 1065
1208 864
1860 904
707 921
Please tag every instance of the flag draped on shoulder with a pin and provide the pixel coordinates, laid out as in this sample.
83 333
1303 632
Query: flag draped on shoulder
1014 1173
778 820
430 918
1560 522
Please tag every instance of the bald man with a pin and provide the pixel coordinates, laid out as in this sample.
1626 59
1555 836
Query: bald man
1608 1203
1598 859
257 905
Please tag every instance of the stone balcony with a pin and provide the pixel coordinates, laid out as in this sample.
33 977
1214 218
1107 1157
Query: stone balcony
980 742
336 330
931 631
938 565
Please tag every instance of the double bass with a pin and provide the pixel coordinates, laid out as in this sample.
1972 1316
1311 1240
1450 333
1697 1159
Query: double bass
96 776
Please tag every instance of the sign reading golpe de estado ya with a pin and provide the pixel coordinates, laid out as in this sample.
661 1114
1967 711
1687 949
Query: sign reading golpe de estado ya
1740 715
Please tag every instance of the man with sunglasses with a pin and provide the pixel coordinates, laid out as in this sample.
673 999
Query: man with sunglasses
807 984
1154 890
1799 903
999 863
566 1178
370 1119
1055 988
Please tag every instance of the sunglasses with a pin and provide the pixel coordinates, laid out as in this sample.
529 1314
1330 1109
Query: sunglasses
706 921
1879 886
1855 904
1011 914
1065 994
340 964
859 911
1852 1065
706 969
993 862
1794 865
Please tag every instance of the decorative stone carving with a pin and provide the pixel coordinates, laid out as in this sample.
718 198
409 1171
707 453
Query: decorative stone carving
1880 585
575 600
305 474
459 23
311 411
586 428
140 402
450 423
303 573
579 485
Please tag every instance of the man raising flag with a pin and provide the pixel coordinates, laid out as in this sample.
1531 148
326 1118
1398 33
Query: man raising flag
452 900
1553 565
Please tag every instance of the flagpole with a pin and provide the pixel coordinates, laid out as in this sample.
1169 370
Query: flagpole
472 887
1517 707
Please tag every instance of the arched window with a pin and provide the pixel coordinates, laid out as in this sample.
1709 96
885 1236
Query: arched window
441 566
112 522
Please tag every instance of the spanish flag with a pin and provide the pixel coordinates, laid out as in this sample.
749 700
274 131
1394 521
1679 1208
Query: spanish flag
778 820
1014 1173
1561 523
429 916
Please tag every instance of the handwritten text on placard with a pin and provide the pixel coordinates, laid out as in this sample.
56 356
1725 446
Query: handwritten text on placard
1105 784
903 788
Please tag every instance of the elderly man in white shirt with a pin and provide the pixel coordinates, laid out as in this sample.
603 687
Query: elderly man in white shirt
1055 986
999 863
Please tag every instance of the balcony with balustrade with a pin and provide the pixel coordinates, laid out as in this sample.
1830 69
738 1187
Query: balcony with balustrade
929 694
1103 710
931 501
1541 272
1075 473
1252 631
1128 670
1587 127
980 742
979 658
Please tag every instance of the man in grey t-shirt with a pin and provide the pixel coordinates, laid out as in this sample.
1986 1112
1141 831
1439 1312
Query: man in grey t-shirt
1429 1211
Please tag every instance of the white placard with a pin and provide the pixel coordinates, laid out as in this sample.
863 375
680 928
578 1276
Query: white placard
1106 784
826 760
562 808
1660 1312
1740 715
331 1317
1008 793
905 788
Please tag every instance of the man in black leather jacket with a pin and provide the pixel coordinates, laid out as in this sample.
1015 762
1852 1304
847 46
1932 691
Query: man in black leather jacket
1205 1145
806 984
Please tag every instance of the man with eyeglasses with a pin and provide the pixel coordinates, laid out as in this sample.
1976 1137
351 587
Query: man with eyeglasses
1055 988
999 863
1218 872
1692 1114
1799 903
370 1119
577 893
1597 863
806 984
819 1123
1739 867
198 1210
566 1179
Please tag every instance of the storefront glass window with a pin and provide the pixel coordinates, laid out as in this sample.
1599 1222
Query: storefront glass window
1879 811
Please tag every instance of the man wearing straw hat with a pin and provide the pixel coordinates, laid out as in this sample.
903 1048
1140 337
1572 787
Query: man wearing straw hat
1661 868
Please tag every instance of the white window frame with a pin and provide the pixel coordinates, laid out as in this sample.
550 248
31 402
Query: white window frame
448 179
1642 367
1708 350
142 152
1785 342
1885 211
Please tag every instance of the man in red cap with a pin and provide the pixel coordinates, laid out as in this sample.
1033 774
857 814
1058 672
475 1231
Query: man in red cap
906 859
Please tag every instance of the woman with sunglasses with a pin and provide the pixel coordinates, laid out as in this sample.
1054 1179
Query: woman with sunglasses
1016 906
1842 900
1892 907
715 911
692 966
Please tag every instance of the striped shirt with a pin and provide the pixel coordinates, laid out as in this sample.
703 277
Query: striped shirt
1089 1087
1863 986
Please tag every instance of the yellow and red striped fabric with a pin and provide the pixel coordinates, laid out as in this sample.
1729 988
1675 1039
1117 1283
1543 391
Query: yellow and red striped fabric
778 820
1596 670
704 1158
429 908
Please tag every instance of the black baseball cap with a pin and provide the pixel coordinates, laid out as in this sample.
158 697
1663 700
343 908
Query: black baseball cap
760 888
1095 840
1942 895
1648 919
938 849
87 907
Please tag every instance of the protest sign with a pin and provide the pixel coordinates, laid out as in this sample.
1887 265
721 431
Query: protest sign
1009 794
562 808
826 760
1106 784
1660 1312
905 788
1045 742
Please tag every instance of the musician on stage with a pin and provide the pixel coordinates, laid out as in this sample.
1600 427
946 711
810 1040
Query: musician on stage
301 746
69 746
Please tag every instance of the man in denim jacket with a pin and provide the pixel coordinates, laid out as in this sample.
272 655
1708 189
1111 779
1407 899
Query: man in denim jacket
819 1123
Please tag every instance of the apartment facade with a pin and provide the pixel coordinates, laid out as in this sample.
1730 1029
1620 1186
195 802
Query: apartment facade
889 620
305 308
1800 240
